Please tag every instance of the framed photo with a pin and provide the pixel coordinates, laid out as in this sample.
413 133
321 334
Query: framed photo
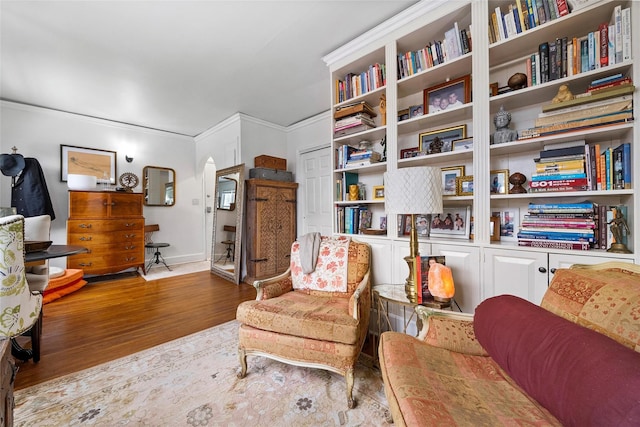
408 153
452 223
378 192
462 144
493 89
509 223
464 185
383 222
416 111
449 176
447 95
405 223
499 181
87 161
421 225
403 114
494 228
446 137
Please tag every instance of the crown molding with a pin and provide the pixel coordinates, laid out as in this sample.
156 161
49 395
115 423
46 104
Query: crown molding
309 121
382 30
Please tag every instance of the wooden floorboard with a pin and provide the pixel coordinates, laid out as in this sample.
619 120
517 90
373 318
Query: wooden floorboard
107 320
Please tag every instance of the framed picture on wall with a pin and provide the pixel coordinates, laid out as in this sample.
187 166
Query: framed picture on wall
88 161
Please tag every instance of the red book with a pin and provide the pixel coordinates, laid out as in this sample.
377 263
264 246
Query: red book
563 9
604 44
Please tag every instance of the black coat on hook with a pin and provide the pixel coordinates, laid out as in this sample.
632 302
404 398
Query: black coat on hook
29 194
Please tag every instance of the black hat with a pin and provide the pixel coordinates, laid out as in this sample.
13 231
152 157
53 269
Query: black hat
11 164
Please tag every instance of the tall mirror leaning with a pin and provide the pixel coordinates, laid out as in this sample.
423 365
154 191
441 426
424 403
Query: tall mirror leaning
226 247
159 186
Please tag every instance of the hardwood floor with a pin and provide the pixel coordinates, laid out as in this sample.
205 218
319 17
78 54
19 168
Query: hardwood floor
107 320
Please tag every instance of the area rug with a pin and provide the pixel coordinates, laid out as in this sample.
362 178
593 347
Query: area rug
192 381
159 271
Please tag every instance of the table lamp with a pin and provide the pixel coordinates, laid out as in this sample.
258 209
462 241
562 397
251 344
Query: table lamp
414 191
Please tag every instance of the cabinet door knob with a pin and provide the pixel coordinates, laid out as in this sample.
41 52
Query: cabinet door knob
553 271
542 269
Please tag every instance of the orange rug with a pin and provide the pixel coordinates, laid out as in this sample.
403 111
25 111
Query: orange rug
70 281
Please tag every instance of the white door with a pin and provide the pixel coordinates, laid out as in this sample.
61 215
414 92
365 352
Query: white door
520 273
314 193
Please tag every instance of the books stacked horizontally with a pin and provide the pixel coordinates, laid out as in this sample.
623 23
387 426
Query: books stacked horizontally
601 105
362 158
560 226
562 167
353 118
351 219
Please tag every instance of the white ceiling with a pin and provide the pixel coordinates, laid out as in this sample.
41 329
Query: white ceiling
178 66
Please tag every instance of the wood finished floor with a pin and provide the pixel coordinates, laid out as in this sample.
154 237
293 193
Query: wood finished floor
107 320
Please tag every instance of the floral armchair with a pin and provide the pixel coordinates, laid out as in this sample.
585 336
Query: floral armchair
317 320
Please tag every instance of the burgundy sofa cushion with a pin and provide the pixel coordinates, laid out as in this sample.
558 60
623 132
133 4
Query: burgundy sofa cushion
582 377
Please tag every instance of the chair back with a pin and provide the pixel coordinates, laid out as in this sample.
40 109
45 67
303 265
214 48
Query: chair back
342 264
38 228
19 307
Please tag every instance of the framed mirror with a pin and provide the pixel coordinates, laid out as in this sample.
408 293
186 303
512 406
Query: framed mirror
158 185
228 218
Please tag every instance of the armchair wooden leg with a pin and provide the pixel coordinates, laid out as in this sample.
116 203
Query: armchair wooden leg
349 377
36 334
243 363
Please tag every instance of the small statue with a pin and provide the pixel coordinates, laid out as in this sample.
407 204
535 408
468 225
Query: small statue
517 81
564 94
383 143
517 179
436 146
618 227
383 110
503 133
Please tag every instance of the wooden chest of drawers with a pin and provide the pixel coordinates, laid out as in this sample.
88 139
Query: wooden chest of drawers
111 226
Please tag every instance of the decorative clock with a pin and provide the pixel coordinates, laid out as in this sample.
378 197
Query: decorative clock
129 181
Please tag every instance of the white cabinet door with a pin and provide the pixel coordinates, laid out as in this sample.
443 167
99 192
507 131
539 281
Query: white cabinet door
520 273
567 260
464 262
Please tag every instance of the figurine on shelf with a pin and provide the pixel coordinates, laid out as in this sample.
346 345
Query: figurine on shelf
383 110
564 94
517 179
383 143
619 228
517 81
436 146
503 133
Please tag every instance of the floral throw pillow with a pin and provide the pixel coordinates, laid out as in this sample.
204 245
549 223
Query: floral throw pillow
330 274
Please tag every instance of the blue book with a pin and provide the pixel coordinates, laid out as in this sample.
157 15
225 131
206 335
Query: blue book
538 177
626 165
607 169
583 205
607 79
556 235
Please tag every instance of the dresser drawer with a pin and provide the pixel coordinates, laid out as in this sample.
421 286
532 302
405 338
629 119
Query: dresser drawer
101 258
102 226
86 239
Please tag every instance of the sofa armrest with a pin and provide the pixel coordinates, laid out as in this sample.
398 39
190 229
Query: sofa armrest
449 330
360 300
274 286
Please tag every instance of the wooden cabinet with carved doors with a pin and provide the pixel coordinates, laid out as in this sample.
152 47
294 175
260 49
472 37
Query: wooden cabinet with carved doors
271 227
111 226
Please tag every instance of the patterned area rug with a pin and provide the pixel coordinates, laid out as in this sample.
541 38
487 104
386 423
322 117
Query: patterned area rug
192 382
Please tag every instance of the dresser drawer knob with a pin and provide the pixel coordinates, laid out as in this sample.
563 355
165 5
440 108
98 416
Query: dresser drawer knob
86 239
85 226
85 264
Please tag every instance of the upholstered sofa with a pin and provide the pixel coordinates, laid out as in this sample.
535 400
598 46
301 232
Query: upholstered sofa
574 360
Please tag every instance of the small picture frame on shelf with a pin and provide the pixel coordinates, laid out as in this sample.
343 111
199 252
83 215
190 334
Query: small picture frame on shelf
403 114
452 223
445 137
447 95
462 144
449 177
416 111
408 153
509 223
378 192
464 185
493 89
494 229
383 222
499 180
405 222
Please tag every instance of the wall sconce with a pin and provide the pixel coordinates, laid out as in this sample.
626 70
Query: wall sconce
128 159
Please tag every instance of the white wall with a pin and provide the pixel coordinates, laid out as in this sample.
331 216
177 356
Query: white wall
38 133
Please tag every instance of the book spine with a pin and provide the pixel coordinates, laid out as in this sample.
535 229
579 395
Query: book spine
552 183
563 57
553 60
563 8
558 177
626 165
554 244
560 207
626 34
593 167
604 44
555 235
618 180
611 45
617 22
543 50
607 168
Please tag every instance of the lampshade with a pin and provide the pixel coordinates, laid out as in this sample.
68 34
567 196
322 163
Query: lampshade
416 190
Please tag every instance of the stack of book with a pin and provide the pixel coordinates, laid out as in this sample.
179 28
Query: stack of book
562 167
354 85
353 118
362 158
596 107
456 42
561 226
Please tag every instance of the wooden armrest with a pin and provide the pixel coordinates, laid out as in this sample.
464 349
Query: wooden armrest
450 330
273 286
357 305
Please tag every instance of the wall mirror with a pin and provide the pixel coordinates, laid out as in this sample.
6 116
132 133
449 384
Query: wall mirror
159 186
226 250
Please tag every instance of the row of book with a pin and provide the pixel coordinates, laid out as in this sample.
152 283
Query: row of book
579 226
523 15
456 42
354 84
352 219
601 106
581 167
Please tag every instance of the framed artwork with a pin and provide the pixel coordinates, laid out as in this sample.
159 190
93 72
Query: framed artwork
499 181
509 223
446 137
403 114
416 111
464 185
449 176
453 223
462 144
87 161
421 225
408 153
383 222
378 192
405 222
447 95
494 229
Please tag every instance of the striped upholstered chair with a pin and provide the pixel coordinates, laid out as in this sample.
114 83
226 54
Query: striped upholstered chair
318 320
